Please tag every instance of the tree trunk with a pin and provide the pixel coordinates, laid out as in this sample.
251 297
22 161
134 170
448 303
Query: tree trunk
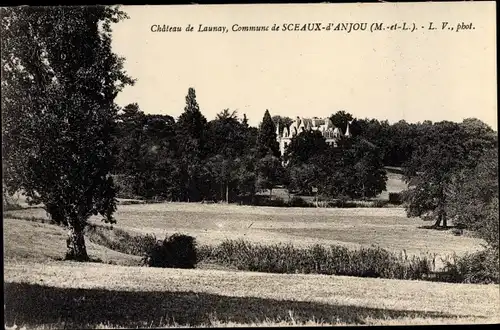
227 193
438 221
270 193
76 244
445 221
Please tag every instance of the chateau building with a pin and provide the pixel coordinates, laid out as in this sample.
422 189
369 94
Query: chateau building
324 125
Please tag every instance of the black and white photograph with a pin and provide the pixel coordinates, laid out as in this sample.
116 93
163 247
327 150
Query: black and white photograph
249 165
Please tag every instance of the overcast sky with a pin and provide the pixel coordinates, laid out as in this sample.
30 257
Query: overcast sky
421 75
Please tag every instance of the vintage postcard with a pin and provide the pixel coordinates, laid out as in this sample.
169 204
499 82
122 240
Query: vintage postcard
250 165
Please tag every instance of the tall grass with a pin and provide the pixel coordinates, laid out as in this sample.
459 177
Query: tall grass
478 267
318 259
119 240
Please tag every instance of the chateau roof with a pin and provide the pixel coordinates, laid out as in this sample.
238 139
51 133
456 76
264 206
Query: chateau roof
324 125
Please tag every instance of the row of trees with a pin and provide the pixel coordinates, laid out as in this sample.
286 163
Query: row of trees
185 160
193 159
396 142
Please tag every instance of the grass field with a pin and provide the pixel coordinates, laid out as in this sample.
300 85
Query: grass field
42 292
386 227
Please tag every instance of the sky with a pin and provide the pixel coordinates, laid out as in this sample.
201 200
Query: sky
415 76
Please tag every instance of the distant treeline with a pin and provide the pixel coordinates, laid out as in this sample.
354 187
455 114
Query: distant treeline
193 159
225 159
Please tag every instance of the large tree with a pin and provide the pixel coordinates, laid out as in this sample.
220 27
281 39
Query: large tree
266 140
59 81
269 173
156 173
304 146
473 198
353 169
145 148
268 168
127 138
191 131
377 132
226 143
303 162
366 160
401 140
302 178
442 152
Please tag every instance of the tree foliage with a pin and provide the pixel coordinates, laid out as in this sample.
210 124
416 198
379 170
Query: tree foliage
353 169
266 140
474 198
59 81
340 119
191 130
304 147
282 122
445 150
269 172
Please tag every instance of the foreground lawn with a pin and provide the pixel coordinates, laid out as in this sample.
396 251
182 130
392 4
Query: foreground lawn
91 294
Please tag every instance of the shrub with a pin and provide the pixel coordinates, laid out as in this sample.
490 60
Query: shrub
478 267
342 203
176 251
204 252
380 203
266 201
297 201
395 198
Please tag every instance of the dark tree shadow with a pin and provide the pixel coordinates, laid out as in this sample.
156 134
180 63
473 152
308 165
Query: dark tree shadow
435 227
32 305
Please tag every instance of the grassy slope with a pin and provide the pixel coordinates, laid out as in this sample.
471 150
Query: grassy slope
41 242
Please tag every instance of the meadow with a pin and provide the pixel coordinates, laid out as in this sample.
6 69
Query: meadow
44 292
211 224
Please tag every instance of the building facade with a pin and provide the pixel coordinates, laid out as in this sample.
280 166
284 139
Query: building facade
324 125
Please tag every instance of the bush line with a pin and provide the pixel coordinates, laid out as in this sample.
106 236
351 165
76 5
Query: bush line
318 259
480 267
